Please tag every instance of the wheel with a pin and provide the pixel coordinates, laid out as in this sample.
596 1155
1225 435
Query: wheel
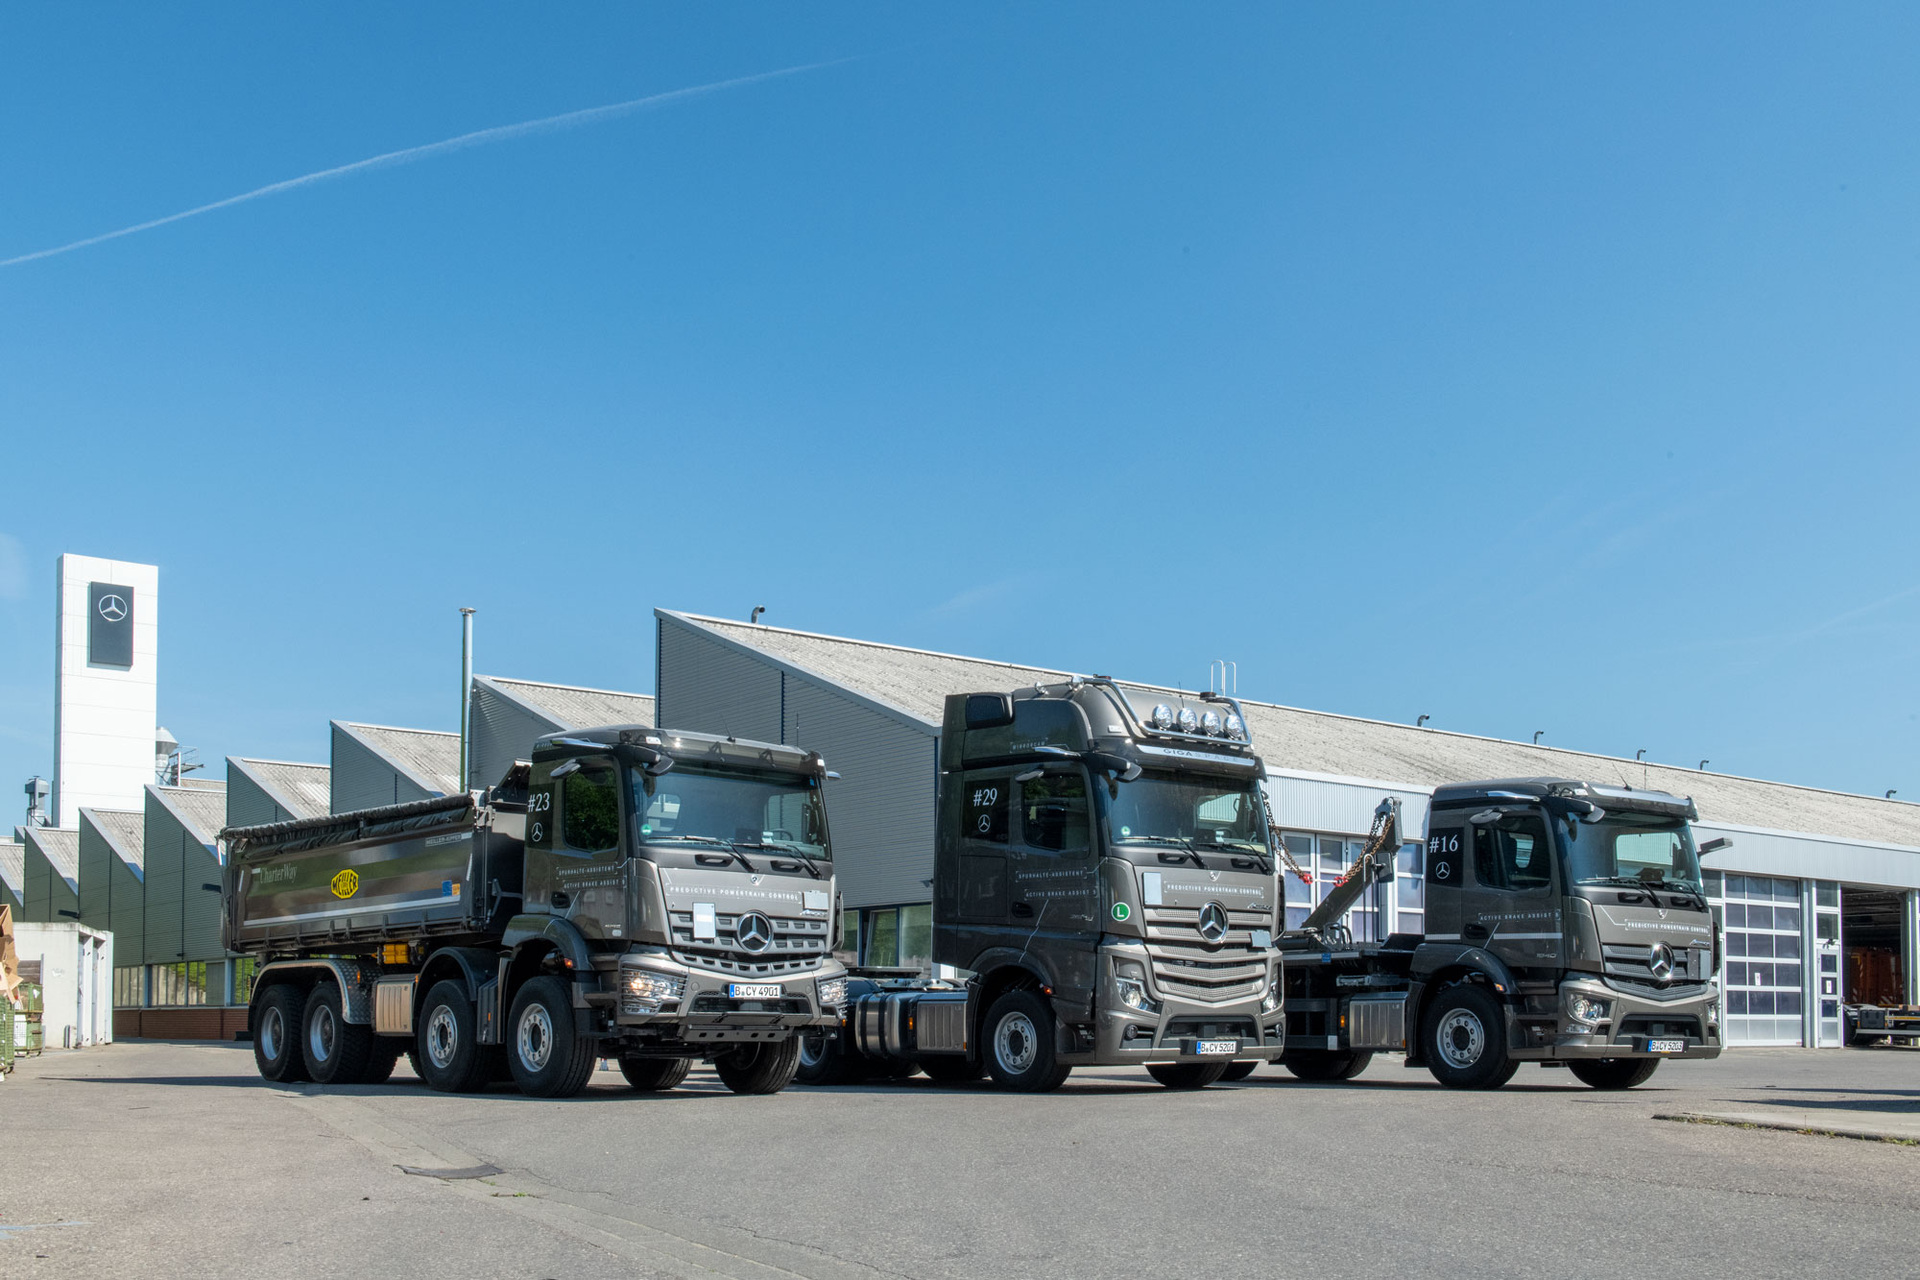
953 1070
1238 1070
1465 1037
381 1062
655 1075
276 1034
1613 1073
1019 1044
760 1068
335 1050
547 1057
446 1050
825 1059
1188 1075
1323 1064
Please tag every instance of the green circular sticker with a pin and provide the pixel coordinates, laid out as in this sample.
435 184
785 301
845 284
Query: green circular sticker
1121 911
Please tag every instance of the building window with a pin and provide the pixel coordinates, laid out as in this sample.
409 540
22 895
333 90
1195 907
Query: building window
850 932
243 969
180 984
882 937
916 935
130 987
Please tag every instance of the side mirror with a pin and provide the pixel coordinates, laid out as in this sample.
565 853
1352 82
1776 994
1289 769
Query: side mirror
1714 845
571 766
1485 817
1107 762
989 710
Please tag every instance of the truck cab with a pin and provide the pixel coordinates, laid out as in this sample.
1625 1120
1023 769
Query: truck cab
1104 893
1566 924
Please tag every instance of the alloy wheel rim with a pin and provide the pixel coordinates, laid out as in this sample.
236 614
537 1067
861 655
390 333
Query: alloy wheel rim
1462 1038
1016 1043
321 1034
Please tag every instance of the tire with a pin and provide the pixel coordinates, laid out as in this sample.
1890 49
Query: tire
547 1058
384 1058
1464 1036
1238 1071
825 1060
1325 1065
446 1049
276 1034
953 1070
655 1075
760 1068
336 1051
1613 1073
1018 1040
1188 1075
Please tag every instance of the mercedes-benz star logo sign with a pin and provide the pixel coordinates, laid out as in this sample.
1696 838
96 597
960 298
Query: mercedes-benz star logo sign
1213 922
112 608
755 932
1660 961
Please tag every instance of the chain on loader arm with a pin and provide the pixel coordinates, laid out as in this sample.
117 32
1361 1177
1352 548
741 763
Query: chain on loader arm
1374 864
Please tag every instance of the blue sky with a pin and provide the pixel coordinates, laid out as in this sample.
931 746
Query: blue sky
1525 367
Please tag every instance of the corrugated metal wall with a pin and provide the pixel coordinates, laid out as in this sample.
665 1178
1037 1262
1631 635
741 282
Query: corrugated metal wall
362 780
248 804
112 896
182 918
1340 808
46 894
881 808
713 689
503 731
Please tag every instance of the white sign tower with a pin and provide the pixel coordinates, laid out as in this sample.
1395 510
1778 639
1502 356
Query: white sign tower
105 711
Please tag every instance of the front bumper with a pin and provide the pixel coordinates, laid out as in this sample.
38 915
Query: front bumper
1627 1030
1125 1035
706 1011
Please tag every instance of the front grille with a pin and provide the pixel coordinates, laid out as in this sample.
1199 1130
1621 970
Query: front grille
798 945
1657 1025
1187 968
726 1004
1210 1029
1690 964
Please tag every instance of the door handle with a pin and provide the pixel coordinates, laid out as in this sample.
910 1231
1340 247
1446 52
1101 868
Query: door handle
560 900
1023 908
1477 932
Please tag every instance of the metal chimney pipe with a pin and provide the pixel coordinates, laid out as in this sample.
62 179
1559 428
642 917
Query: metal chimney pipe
466 699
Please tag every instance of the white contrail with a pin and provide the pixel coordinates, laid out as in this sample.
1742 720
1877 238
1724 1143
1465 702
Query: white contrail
408 155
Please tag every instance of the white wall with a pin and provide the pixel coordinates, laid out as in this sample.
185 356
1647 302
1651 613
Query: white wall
76 977
104 717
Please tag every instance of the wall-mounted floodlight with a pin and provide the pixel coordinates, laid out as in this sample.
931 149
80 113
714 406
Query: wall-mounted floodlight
1891 794
1422 720
1536 736
1641 754
1704 764
754 618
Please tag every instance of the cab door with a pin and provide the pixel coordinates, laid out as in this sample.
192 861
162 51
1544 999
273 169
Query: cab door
589 865
1052 885
1512 908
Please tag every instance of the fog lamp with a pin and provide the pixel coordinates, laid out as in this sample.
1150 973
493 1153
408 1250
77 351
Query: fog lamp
832 991
1187 720
1162 717
1236 727
1210 724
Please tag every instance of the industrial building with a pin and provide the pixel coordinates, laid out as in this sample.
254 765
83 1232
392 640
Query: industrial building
1816 892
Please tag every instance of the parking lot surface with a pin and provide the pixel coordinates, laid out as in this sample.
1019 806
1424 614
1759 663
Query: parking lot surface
175 1159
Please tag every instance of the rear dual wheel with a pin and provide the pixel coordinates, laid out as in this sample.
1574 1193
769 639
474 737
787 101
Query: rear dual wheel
1188 1075
655 1075
760 1068
276 1034
1613 1073
1324 1065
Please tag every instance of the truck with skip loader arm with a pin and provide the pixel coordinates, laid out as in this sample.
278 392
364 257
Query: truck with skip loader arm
646 895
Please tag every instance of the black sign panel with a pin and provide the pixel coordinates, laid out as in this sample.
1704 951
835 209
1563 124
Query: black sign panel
109 625
1443 857
986 810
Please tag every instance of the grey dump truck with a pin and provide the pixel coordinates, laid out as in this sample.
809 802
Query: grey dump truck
1104 893
1566 925
646 895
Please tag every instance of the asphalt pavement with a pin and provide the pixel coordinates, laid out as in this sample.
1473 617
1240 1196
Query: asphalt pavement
161 1159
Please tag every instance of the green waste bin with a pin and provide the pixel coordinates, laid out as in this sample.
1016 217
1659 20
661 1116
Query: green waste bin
32 1016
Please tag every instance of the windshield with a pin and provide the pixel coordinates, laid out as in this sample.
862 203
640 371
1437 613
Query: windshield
1631 847
1182 809
740 808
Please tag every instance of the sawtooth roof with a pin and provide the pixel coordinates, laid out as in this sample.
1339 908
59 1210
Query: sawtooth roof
13 866
301 789
428 756
574 707
125 830
915 682
202 808
60 846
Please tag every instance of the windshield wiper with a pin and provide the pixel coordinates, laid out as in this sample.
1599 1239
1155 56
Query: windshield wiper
728 845
1258 855
794 849
1178 842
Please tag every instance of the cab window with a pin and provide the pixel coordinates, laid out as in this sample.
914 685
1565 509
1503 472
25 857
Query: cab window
1512 854
1053 813
590 808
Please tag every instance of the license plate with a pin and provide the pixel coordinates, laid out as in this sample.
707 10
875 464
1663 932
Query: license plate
1666 1046
754 990
1217 1048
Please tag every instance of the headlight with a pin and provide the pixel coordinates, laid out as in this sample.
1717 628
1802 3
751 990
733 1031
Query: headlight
644 992
1129 980
1236 727
1210 724
1163 716
832 991
1187 720
1271 1003
1586 1009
